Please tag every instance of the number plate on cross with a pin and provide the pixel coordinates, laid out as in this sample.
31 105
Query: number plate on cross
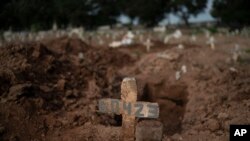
137 109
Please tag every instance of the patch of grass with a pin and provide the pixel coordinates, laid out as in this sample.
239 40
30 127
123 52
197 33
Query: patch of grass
212 30
35 28
247 51
196 31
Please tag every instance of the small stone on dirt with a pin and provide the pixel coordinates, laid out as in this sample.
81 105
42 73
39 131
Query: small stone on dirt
87 124
68 93
80 56
193 132
75 93
213 124
177 137
61 84
223 116
169 56
17 91
45 88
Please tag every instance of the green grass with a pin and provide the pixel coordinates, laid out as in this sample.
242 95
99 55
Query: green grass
212 30
247 51
196 31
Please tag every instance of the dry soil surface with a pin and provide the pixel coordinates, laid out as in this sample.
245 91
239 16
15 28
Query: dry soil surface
49 89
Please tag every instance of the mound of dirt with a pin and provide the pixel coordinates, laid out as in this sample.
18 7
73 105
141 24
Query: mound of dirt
49 89
202 103
53 85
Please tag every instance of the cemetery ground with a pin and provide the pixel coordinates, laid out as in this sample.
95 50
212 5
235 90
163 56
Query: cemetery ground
49 89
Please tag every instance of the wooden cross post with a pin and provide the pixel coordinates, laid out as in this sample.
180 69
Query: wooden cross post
129 108
128 95
148 45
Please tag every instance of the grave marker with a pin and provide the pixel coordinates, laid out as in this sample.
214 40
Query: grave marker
148 44
129 108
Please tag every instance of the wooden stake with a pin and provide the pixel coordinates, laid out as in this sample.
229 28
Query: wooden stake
129 107
128 94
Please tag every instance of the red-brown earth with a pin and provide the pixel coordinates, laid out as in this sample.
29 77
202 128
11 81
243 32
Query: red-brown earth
49 89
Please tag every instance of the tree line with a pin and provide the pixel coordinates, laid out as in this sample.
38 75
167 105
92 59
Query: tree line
41 14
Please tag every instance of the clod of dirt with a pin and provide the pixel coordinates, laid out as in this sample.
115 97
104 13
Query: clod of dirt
149 130
177 137
172 56
2 130
18 91
45 88
7 78
223 116
213 124
61 84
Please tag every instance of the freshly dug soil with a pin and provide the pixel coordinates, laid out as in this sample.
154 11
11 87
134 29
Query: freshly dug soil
49 90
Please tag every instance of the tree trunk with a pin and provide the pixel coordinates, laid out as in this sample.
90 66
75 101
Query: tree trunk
185 18
186 22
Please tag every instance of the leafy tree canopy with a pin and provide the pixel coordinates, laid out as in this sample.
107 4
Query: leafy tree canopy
185 8
41 14
232 12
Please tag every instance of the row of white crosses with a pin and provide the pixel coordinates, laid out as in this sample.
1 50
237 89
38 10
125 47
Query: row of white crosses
178 34
23 36
160 29
129 108
55 32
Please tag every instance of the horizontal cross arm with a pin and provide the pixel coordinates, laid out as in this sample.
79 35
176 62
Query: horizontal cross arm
137 109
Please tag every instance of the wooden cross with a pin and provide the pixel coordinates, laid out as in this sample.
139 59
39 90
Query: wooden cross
129 108
148 44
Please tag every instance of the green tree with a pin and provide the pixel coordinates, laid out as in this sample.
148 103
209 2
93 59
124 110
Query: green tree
234 13
73 12
149 12
186 8
23 14
38 14
8 14
105 12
